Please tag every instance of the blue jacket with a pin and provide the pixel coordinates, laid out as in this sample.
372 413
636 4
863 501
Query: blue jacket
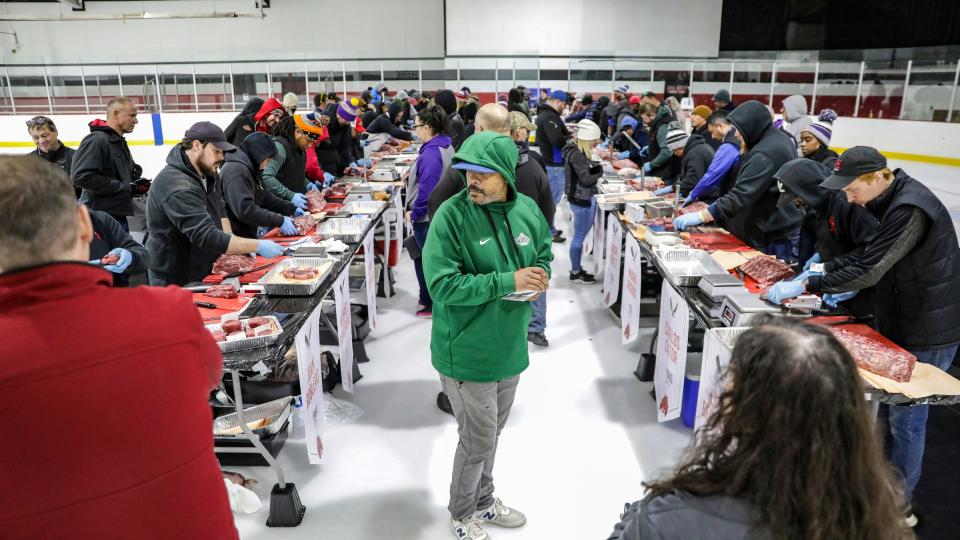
726 158
429 169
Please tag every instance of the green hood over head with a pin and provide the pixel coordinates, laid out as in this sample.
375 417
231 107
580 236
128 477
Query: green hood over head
492 150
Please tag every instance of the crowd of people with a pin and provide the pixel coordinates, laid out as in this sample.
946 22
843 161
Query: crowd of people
482 211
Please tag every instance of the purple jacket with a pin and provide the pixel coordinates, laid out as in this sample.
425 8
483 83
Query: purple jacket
428 169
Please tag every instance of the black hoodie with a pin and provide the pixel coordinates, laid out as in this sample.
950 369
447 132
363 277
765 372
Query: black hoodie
831 226
248 205
103 168
185 235
749 210
109 235
384 123
697 156
336 152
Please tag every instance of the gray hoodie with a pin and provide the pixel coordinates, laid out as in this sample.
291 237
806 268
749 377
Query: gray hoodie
682 516
795 116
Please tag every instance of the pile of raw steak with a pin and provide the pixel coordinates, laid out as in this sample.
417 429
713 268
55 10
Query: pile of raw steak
766 270
875 357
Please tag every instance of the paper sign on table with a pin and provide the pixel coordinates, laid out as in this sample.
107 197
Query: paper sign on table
716 358
630 301
341 293
310 362
598 246
371 281
611 273
671 353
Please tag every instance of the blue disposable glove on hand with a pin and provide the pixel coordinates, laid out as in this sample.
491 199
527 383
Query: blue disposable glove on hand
604 145
644 152
311 186
354 165
812 260
328 179
363 143
366 162
785 290
126 258
410 123
299 201
298 212
685 221
623 155
287 229
269 249
833 300
805 274
647 168
663 191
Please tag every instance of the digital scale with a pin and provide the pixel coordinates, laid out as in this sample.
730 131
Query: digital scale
714 288
740 309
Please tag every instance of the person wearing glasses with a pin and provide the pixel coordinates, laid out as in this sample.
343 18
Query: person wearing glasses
286 175
103 166
44 134
434 158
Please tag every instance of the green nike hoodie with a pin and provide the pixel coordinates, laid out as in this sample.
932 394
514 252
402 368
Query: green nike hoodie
469 259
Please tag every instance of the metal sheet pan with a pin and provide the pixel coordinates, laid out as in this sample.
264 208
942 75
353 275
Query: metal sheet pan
349 230
685 267
325 264
249 343
277 412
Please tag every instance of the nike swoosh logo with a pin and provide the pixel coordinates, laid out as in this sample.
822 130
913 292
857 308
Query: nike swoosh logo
482 242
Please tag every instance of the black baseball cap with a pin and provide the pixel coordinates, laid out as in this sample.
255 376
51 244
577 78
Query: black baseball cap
211 133
852 163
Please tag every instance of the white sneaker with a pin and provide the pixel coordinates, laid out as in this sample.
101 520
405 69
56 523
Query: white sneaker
502 515
470 528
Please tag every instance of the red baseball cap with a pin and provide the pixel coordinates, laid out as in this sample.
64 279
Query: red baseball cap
634 100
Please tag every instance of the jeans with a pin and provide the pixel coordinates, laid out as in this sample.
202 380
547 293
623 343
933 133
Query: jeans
420 230
538 319
786 249
582 223
558 180
481 410
908 425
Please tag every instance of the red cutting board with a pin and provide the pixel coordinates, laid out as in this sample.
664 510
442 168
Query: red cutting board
214 279
224 306
274 235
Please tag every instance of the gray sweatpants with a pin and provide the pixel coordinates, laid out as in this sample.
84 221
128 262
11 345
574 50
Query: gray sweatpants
481 410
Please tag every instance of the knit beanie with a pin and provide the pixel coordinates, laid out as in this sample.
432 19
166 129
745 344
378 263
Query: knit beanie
307 124
676 139
259 146
348 110
629 122
588 130
822 129
702 111
290 100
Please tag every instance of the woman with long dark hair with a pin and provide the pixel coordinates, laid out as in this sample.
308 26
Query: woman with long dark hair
791 453
244 124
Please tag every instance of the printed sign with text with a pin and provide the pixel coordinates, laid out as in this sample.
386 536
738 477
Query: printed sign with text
671 353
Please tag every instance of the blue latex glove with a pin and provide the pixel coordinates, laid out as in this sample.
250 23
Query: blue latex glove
328 178
647 168
410 123
663 191
623 155
311 186
299 201
833 299
812 260
806 274
354 165
287 229
363 143
366 162
269 249
644 152
785 290
126 258
604 145
298 212
692 219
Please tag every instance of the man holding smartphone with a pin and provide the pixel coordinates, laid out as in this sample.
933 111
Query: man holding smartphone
486 243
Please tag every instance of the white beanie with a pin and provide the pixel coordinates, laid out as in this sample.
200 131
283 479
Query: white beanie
676 139
290 100
587 130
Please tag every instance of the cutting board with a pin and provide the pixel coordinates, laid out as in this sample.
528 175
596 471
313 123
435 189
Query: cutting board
926 381
252 277
224 306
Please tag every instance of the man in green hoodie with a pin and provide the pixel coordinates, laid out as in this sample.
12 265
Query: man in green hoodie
485 243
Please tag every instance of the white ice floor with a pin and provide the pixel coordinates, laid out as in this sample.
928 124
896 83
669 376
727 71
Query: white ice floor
581 438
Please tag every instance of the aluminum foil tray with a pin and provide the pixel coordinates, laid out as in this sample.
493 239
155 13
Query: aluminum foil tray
612 187
364 207
296 289
349 230
249 343
728 336
685 267
277 412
